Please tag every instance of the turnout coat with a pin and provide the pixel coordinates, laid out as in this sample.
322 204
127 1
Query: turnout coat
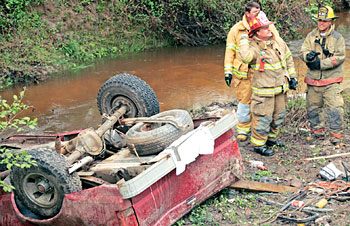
332 63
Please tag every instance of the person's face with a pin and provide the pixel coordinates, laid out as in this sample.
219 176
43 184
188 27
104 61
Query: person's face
264 33
253 13
324 25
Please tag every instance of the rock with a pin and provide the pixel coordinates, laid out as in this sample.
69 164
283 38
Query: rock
294 182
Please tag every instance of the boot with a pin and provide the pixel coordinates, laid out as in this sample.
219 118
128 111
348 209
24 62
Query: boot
242 137
264 150
276 143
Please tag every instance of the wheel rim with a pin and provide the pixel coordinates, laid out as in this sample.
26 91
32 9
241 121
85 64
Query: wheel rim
40 190
121 100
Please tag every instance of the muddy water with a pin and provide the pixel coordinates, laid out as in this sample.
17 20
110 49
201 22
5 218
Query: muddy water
181 77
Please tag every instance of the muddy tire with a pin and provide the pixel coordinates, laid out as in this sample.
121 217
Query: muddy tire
152 138
129 90
42 188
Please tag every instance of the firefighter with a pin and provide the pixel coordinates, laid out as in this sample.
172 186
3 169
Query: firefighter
324 53
274 74
238 72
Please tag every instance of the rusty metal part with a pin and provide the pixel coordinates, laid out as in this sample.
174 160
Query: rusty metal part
80 163
58 145
90 140
85 173
4 174
130 121
109 123
94 180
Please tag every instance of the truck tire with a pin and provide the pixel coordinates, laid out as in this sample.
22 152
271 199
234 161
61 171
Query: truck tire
152 138
128 90
42 188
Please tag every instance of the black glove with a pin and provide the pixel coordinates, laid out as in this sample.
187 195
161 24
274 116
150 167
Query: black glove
228 79
293 83
327 53
311 55
314 65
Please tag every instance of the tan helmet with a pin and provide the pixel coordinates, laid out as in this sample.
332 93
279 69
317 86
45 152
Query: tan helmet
325 13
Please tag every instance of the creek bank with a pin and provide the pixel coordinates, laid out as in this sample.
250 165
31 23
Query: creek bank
34 75
56 36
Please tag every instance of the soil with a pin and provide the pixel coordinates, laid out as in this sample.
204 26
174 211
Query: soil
286 167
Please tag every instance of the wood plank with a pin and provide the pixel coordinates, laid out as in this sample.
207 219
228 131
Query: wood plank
328 156
258 186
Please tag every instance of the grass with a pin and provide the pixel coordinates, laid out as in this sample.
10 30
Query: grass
227 207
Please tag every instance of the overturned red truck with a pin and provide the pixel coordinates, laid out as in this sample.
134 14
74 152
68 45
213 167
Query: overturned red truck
140 167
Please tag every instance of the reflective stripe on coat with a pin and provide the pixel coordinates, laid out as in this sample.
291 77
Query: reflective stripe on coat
278 67
233 63
332 66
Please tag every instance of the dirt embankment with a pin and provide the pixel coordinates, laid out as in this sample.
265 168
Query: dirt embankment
59 35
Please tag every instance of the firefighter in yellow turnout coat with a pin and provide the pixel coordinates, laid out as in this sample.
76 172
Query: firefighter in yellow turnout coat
274 73
324 53
239 71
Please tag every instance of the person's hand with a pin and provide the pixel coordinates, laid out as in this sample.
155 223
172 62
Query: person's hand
293 83
228 79
311 55
314 65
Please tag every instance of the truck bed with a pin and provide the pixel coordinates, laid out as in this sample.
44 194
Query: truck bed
125 189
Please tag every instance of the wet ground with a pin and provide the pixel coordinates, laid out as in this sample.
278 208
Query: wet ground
287 167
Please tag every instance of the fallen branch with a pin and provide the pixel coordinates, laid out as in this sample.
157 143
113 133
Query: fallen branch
327 157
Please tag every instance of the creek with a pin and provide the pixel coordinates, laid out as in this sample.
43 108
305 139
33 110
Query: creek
182 78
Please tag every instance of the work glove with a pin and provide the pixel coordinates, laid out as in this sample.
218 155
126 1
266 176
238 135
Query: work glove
293 83
314 65
228 79
326 52
311 55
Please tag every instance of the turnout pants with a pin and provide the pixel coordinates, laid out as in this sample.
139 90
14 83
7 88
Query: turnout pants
243 93
267 116
325 99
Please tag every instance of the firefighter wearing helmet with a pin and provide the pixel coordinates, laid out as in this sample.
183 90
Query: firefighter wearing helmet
274 75
238 73
324 54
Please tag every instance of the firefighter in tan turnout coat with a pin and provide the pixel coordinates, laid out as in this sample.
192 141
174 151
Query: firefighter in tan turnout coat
238 72
324 53
274 74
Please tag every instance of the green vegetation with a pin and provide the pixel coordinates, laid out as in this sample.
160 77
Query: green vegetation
42 36
235 208
9 118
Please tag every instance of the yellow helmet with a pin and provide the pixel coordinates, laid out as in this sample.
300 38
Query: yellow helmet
325 13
